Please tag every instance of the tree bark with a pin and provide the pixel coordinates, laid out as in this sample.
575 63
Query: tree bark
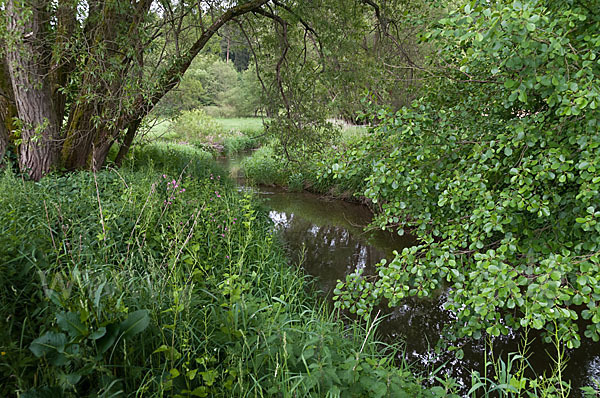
64 63
7 108
127 141
27 63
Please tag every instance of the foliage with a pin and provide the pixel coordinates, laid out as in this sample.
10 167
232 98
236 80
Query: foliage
267 166
222 135
169 282
263 167
246 97
196 125
216 87
316 59
190 93
515 377
495 172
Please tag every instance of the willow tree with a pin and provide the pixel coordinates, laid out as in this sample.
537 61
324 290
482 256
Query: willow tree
78 76
316 59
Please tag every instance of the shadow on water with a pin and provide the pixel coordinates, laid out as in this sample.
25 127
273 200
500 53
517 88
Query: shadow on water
328 237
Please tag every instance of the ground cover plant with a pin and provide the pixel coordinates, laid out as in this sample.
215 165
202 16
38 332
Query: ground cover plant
165 280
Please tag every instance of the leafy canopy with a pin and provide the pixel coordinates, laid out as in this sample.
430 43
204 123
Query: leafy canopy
495 172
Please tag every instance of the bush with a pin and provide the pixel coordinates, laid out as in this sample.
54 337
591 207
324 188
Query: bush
497 175
196 125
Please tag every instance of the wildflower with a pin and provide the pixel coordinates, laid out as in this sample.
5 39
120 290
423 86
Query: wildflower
223 235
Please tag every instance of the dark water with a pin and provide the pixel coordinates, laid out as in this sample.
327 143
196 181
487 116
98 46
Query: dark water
327 238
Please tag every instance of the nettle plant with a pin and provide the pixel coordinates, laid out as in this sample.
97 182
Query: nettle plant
495 172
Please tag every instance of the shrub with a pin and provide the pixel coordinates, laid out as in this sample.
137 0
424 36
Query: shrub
196 125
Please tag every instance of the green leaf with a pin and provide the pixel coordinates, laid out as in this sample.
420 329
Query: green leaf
98 333
135 323
109 338
70 323
48 343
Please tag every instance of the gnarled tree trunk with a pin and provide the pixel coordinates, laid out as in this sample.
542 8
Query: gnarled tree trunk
106 94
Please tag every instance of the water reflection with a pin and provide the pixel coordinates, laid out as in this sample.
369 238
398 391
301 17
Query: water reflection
328 237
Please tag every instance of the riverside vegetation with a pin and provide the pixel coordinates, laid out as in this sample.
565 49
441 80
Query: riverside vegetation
137 281
494 169
162 279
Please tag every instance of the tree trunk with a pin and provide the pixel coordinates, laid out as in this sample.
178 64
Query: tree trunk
7 108
79 135
64 63
127 141
27 63
3 140
100 153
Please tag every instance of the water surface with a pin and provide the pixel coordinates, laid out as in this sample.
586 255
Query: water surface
327 237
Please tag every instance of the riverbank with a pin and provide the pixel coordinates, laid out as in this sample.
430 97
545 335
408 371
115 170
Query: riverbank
161 278
425 319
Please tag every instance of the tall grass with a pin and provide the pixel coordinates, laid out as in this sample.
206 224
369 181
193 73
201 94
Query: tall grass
163 280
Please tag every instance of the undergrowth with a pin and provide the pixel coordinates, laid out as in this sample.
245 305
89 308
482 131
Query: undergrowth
161 279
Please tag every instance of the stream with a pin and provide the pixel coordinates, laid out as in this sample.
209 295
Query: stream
326 236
